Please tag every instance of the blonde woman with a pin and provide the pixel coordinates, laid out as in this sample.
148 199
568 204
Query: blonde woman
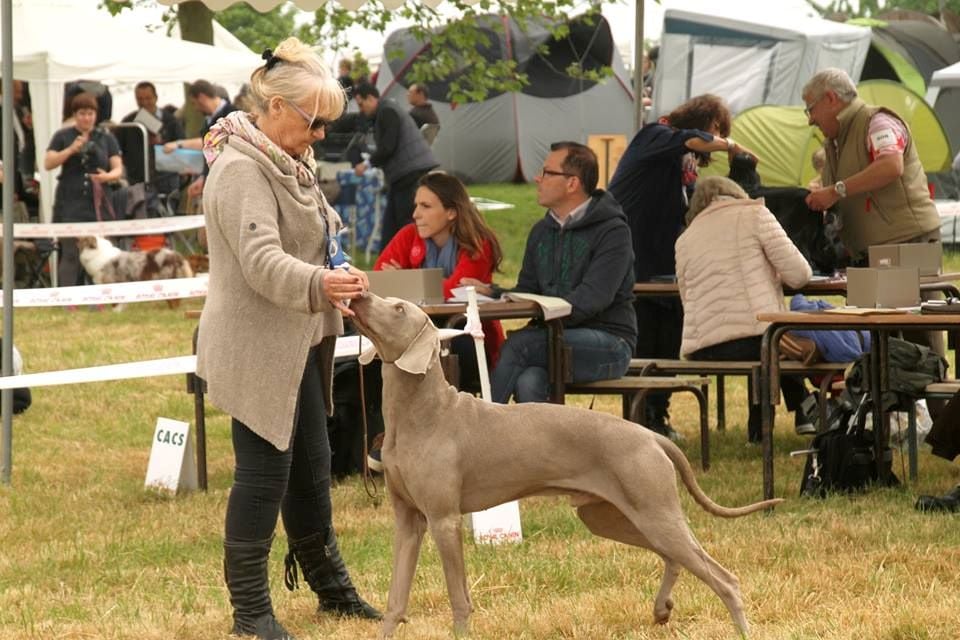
731 261
267 333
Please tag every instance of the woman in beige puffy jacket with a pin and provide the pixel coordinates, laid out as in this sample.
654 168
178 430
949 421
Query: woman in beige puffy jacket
731 261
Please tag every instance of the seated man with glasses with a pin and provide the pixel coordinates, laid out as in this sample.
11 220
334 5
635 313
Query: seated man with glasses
579 251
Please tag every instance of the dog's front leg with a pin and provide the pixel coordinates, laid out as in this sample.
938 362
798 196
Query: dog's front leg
407 538
447 534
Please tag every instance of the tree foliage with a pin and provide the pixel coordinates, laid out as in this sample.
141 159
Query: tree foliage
257 30
455 46
873 8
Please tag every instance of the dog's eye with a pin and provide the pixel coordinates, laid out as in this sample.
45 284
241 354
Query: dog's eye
399 307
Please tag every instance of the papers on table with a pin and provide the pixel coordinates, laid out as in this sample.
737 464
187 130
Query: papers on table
460 295
349 347
148 120
866 311
551 306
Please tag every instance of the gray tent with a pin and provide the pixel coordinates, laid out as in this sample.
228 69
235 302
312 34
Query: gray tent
508 135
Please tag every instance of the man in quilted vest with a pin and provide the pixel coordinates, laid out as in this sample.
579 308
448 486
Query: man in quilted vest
872 174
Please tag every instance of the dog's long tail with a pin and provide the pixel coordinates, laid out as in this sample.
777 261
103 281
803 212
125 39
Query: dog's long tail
682 465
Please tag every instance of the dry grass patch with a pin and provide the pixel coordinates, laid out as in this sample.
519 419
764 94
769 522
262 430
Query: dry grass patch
87 553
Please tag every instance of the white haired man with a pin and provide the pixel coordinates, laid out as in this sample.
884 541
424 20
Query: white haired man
872 173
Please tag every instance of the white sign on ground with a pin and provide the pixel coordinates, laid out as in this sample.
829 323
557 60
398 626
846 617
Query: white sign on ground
172 465
497 524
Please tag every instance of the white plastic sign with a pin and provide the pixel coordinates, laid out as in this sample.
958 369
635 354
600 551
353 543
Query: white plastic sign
172 465
497 524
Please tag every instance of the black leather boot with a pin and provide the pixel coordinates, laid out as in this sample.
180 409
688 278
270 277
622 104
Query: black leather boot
324 571
246 574
950 501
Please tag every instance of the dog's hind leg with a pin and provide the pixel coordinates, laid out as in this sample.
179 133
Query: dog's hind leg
448 536
408 537
670 537
605 520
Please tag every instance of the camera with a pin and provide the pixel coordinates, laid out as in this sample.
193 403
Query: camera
89 159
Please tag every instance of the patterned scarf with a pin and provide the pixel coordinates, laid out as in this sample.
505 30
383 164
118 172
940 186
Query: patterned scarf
241 124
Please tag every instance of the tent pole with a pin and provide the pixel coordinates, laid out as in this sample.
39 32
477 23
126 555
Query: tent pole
6 17
638 68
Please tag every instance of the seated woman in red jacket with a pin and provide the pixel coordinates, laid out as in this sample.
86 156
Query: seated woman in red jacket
448 232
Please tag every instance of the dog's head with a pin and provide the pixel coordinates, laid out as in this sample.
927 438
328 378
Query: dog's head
86 242
401 332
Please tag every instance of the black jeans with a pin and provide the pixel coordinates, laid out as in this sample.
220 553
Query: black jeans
793 388
294 483
659 333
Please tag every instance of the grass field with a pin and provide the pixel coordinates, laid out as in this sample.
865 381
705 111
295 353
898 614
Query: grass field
86 553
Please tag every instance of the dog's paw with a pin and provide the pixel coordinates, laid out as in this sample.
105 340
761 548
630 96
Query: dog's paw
662 615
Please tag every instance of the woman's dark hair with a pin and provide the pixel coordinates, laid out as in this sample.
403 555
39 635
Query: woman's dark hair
469 227
83 101
702 112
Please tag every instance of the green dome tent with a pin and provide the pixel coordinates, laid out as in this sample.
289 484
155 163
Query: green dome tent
785 143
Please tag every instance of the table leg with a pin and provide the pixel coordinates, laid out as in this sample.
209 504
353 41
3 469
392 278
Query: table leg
879 381
200 416
555 361
769 395
721 405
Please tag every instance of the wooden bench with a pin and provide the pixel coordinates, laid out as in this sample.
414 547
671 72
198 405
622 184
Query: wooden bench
747 368
630 386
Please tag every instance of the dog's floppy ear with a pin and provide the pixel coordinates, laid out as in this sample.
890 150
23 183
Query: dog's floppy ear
420 353
367 355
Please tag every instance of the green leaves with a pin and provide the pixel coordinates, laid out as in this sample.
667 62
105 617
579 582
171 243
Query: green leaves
455 48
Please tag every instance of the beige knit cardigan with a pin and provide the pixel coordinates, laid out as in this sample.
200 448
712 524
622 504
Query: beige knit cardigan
730 264
265 305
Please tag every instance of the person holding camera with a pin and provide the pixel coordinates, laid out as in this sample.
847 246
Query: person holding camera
89 159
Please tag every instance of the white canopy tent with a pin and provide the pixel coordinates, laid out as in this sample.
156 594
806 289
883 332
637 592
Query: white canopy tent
749 60
84 42
944 96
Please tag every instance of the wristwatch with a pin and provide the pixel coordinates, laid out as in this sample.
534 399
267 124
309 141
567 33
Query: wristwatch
841 189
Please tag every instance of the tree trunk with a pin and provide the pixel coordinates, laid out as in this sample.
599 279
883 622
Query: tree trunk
196 25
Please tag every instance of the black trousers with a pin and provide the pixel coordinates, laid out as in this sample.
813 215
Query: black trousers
792 387
294 483
659 333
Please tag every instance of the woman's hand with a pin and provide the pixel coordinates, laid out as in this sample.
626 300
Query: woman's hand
100 176
737 149
481 287
78 143
342 285
392 265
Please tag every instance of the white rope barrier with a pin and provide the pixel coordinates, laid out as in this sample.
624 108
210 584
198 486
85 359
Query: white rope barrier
127 370
136 227
120 292
347 347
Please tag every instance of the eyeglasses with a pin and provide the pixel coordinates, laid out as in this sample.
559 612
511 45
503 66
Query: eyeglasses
547 172
315 123
809 108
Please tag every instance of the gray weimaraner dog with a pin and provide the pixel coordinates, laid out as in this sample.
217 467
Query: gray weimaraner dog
447 453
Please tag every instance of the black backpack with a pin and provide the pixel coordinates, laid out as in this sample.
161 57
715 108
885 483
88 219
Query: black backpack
841 459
